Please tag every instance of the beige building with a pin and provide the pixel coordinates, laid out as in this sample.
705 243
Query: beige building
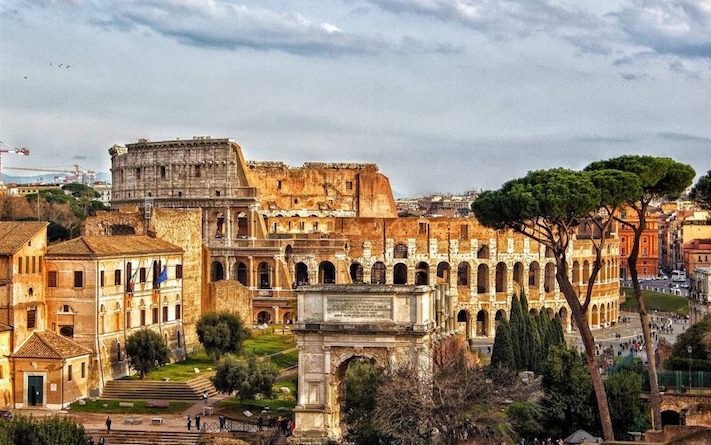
700 294
101 289
6 390
23 245
50 371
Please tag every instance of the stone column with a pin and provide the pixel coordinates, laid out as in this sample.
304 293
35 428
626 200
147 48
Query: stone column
277 279
277 320
228 226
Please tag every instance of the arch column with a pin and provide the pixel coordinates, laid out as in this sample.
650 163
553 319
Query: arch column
491 324
276 284
228 226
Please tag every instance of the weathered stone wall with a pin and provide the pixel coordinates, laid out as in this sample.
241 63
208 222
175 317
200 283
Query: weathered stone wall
183 227
229 296
322 189
115 222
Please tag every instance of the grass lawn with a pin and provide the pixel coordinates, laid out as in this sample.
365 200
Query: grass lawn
269 344
263 345
234 408
286 360
139 407
181 371
657 301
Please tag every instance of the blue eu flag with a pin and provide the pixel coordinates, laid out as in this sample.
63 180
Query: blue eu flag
163 275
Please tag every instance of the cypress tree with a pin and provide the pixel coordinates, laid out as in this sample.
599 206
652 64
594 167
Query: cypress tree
503 354
517 329
558 335
530 340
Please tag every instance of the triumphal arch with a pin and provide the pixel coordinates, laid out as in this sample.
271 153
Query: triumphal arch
391 325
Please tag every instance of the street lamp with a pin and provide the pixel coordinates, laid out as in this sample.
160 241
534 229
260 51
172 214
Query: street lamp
689 350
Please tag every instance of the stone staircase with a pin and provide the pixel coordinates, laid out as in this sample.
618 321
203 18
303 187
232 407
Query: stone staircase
155 390
132 437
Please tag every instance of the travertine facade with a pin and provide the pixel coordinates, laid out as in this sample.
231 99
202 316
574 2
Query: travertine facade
273 228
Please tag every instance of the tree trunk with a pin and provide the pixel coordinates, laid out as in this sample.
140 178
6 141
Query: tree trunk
581 322
655 397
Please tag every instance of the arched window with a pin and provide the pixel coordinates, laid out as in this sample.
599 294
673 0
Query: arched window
377 273
483 252
518 274
443 272
586 271
400 273
240 273
482 279
356 270
400 251
576 272
482 323
265 281
463 274
422 274
501 277
302 274
217 272
326 273
534 275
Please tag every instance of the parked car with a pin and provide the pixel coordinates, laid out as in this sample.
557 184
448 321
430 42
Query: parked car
5 414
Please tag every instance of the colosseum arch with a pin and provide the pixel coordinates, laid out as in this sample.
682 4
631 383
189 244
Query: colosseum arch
482 279
549 279
377 273
302 274
518 274
463 273
217 271
356 272
501 277
400 273
483 252
534 275
422 274
443 272
326 273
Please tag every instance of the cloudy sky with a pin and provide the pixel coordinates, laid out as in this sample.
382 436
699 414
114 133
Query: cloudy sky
445 95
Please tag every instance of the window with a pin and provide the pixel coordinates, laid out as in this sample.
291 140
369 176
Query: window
177 312
155 315
302 225
83 370
178 271
101 278
128 319
66 331
274 227
78 278
138 173
296 200
69 373
65 308
142 275
31 318
315 226
162 172
27 264
40 261
180 194
423 228
464 232
349 185
143 317
52 278
278 184
197 171
217 193
644 251
165 314
34 264
117 277
19 265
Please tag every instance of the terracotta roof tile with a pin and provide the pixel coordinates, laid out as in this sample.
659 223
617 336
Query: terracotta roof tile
14 234
102 246
45 344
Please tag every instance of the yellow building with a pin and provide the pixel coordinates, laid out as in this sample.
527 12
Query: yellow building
101 289
5 369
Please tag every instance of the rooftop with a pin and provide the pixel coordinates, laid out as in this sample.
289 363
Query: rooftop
15 234
107 246
45 344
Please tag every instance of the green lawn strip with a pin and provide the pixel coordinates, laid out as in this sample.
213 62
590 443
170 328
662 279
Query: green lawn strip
139 407
234 408
269 344
285 360
181 371
657 301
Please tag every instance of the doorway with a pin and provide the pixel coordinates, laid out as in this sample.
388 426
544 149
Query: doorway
35 390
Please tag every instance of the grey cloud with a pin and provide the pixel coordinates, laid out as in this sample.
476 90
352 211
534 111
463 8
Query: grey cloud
219 24
680 27
682 137
632 76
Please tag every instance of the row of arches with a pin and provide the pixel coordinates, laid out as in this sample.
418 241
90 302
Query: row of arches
480 324
609 271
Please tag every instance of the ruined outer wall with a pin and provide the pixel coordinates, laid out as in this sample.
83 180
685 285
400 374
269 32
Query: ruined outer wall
228 295
183 227
324 189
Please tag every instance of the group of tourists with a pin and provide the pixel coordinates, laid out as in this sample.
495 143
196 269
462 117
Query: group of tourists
284 425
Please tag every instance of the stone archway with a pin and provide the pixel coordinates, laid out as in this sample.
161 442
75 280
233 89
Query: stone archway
345 322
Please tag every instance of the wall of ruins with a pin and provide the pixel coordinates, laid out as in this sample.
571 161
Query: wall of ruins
229 296
192 169
322 189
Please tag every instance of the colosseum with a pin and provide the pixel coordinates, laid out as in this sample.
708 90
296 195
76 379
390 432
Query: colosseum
268 228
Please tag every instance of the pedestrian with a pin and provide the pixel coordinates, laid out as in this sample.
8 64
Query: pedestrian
102 441
204 397
197 422
222 422
260 423
190 423
292 425
108 424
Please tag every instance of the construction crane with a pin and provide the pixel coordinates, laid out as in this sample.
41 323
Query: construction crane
7 149
78 174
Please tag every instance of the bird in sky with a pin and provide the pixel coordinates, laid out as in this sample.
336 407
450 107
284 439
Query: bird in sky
67 66
60 65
